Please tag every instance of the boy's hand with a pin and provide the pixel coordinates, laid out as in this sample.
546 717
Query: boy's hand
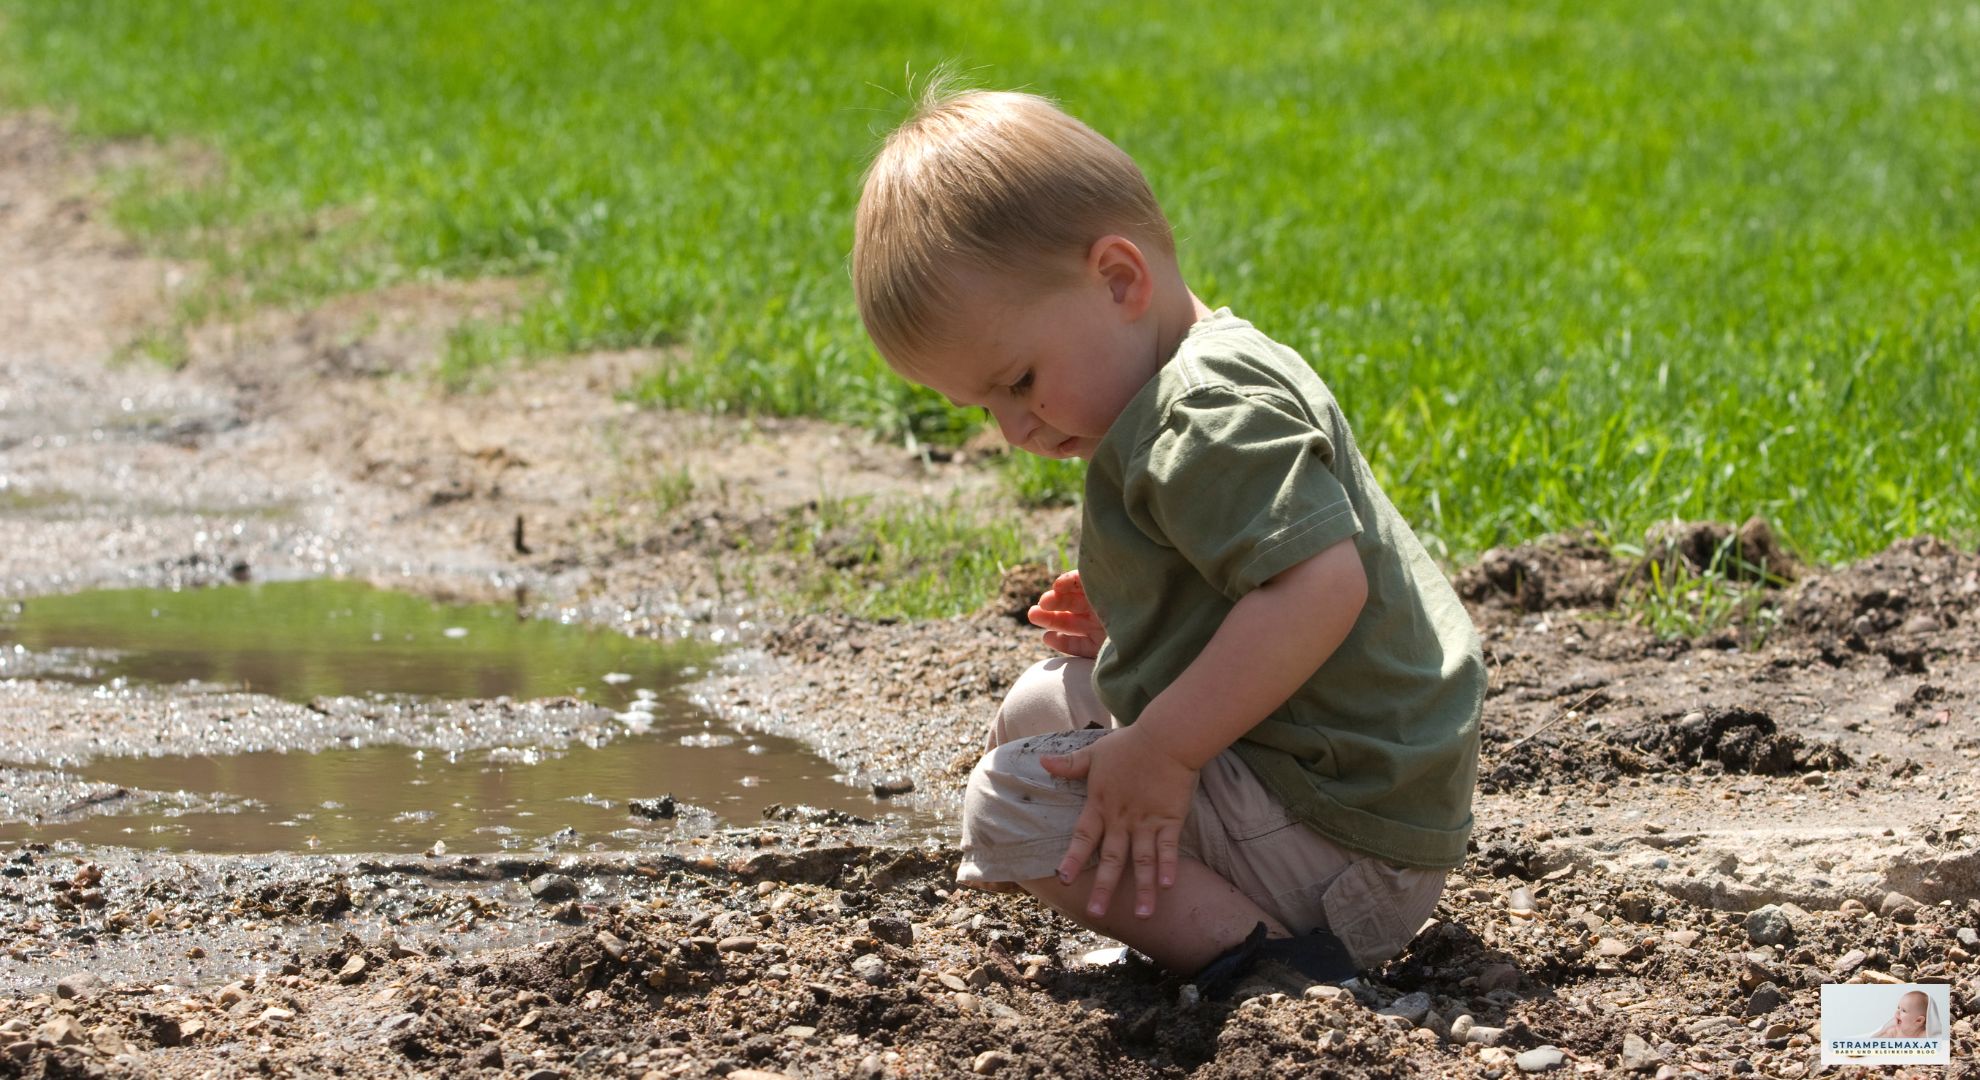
1137 796
1071 626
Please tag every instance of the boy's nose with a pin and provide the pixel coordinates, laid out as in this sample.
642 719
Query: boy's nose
1016 425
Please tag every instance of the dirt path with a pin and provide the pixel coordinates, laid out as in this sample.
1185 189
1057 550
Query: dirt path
1639 798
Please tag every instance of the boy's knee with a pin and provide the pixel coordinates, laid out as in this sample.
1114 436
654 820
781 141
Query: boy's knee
1038 703
1011 799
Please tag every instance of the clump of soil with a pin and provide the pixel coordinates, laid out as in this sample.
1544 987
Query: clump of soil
1571 571
1741 741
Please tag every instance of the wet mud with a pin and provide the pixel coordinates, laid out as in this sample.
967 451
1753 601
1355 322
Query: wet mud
1678 840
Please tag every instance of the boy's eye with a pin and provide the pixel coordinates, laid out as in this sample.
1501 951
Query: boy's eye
1020 386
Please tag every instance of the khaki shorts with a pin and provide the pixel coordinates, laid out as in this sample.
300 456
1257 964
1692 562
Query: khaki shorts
1018 820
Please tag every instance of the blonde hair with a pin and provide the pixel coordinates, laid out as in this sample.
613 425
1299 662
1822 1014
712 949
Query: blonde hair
990 180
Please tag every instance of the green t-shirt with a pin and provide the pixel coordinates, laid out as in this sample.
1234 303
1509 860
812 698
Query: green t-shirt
1233 464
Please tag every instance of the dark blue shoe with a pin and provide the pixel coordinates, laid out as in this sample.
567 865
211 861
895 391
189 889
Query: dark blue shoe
1319 956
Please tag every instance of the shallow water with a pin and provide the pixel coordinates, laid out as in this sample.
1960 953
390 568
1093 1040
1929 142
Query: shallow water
304 640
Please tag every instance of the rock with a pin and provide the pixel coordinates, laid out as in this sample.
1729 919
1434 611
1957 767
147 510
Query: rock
1768 925
1636 907
78 984
61 1031
738 943
230 995
1410 1007
659 809
888 787
757 1074
1850 961
1766 998
952 981
1539 1059
1682 938
352 971
1638 1055
1493 1058
1778 1030
614 947
891 929
1189 997
1480 1035
275 1014
1898 907
552 1074
1324 992
800 1031
1968 937
106 1041
989 1061
1462 1026
1497 977
870 969
1853 906
553 888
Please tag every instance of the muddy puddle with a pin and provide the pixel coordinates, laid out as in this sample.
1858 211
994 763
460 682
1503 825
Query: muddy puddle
673 770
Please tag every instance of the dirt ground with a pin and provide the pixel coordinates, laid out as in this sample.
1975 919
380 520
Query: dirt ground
1678 842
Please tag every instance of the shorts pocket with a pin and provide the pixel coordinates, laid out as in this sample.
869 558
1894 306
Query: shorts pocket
1375 908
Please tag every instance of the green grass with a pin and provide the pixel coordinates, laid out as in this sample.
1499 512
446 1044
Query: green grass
1599 262
901 562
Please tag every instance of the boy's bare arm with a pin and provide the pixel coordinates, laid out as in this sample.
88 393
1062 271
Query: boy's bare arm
1140 779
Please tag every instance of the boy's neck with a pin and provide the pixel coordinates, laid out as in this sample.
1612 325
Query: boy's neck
1177 311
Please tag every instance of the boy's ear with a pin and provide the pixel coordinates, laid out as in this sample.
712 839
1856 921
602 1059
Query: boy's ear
1119 264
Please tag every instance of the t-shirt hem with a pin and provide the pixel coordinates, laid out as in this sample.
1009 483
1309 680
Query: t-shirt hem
1299 542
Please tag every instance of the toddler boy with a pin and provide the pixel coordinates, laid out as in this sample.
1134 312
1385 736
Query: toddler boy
1266 716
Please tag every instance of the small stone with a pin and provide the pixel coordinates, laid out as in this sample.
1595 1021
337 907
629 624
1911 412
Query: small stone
1462 1026
1850 961
800 1031
1410 1007
1613 947
1968 937
1189 997
553 888
1778 1030
1397 1024
888 787
61 1031
1766 998
352 971
1324 992
1682 938
275 1014
660 809
107 1041
891 929
1768 925
1853 906
394 1023
1497 977
1494 1058
952 981
989 1061
78 984
967 1003
739 943
1636 907
231 995
1638 1055
551 1074
757 1074
982 976
1898 907
1480 1035
1539 1059
870 969
611 943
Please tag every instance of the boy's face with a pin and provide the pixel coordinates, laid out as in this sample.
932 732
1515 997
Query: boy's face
1054 367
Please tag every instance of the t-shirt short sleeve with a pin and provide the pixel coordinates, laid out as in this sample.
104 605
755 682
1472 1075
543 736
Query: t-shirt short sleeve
1242 485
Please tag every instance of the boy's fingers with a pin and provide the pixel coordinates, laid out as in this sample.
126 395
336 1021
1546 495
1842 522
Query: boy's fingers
1108 874
1071 766
1167 850
1086 834
1144 872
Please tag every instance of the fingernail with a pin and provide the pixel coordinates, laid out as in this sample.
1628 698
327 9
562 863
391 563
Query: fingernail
1065 878
1095 910
1143 910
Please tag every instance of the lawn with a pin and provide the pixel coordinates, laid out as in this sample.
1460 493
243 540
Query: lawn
1597 263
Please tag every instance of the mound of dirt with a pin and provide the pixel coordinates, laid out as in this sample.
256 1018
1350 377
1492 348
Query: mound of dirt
1574 570
1913 590
1739 740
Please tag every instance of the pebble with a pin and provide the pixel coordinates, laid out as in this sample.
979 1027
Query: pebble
1768 925
552 888
1462 1026
1853 906
1898 907
1493 1058
1638 1055
739 943
275 1014
988 1062
891 786
757 1074
61 1031
1480 1035
952 981
1968 937
78 984
1497 977
1539 1059
1766 998
870 969
1410 1007
1189 997
352 971
891 929
1850 961
613 946
1324 992
1682 938
1778 1030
